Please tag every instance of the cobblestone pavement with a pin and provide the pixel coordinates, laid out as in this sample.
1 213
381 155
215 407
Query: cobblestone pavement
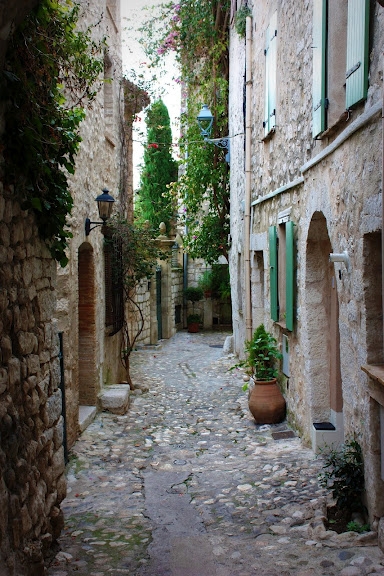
185 484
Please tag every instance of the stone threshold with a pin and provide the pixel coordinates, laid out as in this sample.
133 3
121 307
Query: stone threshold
86 416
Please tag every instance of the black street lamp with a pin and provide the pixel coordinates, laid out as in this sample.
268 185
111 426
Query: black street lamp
205 121
105 205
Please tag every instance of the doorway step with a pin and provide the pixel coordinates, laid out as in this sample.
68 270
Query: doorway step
328 434
86 415
115 399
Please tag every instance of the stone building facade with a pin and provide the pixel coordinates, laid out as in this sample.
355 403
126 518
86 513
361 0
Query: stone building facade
91 335
32 477
32 482
305 118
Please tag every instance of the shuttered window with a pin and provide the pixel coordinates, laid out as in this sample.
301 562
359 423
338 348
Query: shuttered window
319 42
357 51
273 273
270 76
290 275
282 263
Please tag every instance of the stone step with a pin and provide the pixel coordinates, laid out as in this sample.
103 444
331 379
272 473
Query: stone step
86 415
115 399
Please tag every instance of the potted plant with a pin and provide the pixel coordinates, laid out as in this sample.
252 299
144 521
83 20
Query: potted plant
193 322
193 294
205 283
266 402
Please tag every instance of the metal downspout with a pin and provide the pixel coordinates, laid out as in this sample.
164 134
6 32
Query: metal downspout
247 207
382 200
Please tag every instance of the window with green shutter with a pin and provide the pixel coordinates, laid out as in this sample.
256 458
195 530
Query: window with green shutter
340 44
273 276
357 51
319 44
270 52
282 273
290 262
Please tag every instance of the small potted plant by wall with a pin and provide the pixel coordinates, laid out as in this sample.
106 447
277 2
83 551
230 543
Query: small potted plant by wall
266 402
193 294
193 322
205 283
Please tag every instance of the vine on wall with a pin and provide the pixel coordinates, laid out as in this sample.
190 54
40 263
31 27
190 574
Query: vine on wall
50 76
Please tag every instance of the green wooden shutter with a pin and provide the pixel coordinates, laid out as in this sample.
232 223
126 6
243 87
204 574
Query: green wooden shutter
273 273
270 76
319 41
357 51
290 275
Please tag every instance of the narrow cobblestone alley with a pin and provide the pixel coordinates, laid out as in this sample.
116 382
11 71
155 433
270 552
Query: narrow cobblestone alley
186 484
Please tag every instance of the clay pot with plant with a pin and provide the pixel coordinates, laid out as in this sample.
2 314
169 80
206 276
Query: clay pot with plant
193 294
205 283
266 402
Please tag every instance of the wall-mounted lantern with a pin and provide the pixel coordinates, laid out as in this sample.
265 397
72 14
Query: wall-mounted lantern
205 121
105 205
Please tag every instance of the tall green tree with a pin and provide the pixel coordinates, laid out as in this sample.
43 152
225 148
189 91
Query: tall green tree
160 169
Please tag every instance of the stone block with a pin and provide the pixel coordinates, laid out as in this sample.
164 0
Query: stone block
33 363
58 463
55 373
25 518
115 399
380 534
53 408
26 343
46 304
6 348
14 371
58 433
3 380
228 345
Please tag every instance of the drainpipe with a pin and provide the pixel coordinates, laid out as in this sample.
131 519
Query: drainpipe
247 207
382 197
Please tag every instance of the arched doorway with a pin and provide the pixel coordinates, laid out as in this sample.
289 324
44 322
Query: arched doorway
323 362
87 327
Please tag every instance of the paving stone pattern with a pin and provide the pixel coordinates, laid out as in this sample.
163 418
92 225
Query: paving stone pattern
185 484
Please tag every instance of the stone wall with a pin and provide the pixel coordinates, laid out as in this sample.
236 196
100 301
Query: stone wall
330 188
32 482
101 162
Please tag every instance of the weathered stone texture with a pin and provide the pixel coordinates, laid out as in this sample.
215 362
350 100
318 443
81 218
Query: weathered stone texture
31 462
100 163
336 205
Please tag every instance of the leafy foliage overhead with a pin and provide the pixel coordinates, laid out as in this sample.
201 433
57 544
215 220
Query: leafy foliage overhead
197 30
51 74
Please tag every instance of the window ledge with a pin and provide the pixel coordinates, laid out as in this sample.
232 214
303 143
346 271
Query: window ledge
332 130
375 371
269 135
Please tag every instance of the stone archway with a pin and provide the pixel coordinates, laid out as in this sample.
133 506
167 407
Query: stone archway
323 363
87 327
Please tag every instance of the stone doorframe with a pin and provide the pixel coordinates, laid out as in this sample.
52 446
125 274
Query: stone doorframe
323 349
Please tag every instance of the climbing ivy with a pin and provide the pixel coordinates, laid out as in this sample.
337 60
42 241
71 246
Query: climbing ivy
197 31
50 76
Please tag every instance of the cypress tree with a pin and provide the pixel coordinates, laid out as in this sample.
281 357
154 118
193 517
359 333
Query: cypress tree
155 202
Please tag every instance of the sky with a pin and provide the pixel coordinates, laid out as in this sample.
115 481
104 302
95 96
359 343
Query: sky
133 14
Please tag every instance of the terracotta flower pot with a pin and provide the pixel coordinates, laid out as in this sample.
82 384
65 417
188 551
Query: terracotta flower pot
193 327
266 402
